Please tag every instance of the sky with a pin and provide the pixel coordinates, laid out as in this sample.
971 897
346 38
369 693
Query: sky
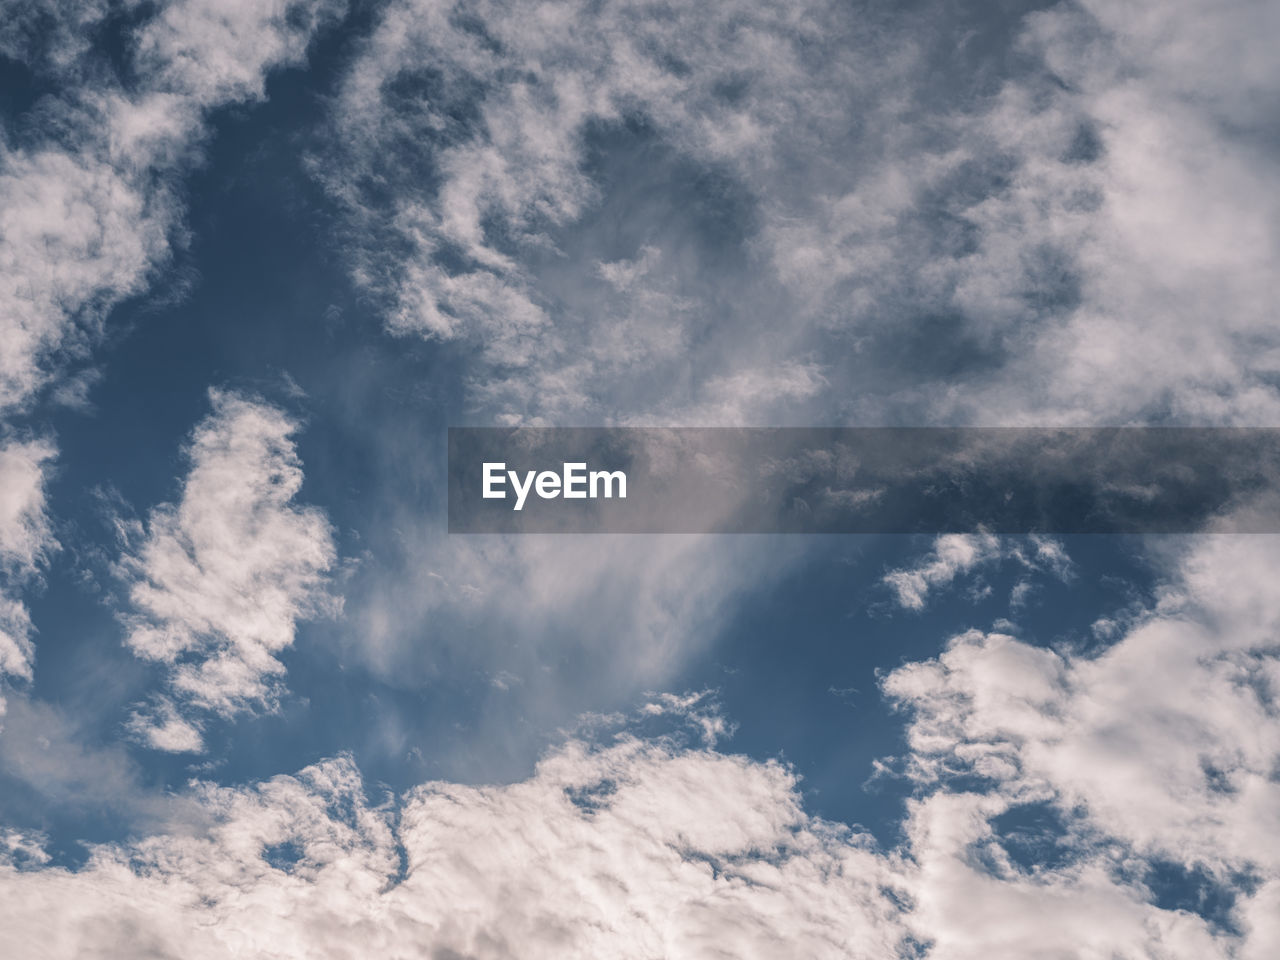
257 257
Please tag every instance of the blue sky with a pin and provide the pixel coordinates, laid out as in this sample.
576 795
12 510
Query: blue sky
258 257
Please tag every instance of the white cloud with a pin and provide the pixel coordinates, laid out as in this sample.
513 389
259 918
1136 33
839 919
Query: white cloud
626 611
1160 749
973 903
26 540
23 848
637 849
699 710
50 34
88 215
1103 228
162 727
956 554
646 847
89 208
222 576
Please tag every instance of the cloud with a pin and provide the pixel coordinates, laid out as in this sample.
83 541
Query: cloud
472 144
1036 238
221 577
90 208
729 214
956 554
89 211
635 848
643 846
162 727
1158 752
59 765
26 541
1094 238
1047 249
50 36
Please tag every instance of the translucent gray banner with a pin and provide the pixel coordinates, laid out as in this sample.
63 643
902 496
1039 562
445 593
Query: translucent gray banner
863 480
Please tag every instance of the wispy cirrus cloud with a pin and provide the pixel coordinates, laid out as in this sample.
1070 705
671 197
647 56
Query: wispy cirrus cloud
218 580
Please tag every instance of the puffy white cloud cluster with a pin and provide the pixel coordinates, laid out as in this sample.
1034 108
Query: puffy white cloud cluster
220 578
636 849
1160 749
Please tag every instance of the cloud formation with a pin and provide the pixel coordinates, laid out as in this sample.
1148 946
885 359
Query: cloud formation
814 226
1074 228
632 849
956 554
89 208
481 120
219 580
1156 754
26 541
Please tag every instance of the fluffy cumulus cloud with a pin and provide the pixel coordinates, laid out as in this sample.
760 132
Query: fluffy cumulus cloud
637 848
219 579
1156 757
89 209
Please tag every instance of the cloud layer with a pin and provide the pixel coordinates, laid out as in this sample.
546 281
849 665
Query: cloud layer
689 213
1075 229
1156 754
1153 757
635 849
